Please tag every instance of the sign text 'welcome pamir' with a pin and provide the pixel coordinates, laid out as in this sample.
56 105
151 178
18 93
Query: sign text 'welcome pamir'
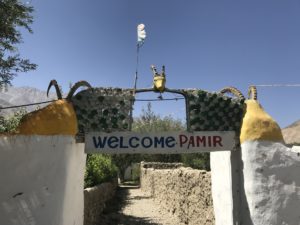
159 143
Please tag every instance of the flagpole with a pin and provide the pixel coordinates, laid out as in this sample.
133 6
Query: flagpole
141 35
137 65
135 83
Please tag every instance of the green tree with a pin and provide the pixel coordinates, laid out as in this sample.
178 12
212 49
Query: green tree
196 160
9 124
15 16
99 169
151 122
148 121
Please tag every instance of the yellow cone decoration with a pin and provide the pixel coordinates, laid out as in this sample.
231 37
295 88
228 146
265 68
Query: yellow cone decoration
56 118
258 125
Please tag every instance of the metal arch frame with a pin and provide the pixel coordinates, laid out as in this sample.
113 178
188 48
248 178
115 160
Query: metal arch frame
176 91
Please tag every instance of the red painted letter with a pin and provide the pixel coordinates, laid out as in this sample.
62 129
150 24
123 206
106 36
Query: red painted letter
182 139
201 139
217 140
191 142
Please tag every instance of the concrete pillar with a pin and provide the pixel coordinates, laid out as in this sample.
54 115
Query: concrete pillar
225 175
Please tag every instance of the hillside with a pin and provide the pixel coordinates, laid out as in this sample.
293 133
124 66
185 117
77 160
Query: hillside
23 95
291 133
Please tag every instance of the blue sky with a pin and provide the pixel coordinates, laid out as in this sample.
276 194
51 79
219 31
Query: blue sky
204 44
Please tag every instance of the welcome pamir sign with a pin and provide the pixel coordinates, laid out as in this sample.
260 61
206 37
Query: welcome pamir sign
159 143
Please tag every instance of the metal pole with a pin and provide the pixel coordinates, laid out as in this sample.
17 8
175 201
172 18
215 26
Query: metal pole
135 83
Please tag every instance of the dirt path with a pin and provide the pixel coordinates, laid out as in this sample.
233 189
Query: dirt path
136 209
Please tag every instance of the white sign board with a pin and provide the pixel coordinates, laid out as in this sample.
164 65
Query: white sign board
159 143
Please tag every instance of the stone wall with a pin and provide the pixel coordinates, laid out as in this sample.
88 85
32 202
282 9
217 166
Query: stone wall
184 192
95 199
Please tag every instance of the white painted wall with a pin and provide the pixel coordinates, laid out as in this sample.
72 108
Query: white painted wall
296 149
269 188
272 183
221 187
41 180
128 173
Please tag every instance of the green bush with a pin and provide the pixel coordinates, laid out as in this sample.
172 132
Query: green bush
99 169
9 124
196 161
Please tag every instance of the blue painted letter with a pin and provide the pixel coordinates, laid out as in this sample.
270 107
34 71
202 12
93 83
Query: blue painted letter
101 143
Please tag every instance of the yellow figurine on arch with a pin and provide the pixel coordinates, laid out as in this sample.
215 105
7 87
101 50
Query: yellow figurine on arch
159 80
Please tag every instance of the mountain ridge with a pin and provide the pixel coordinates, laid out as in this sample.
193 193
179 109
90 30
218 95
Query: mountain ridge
15 96
291 133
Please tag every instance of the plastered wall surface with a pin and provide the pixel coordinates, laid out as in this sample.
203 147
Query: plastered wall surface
41 182
272 183
183 192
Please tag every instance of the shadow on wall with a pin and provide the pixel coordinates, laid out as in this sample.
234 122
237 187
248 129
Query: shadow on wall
131 220
243 208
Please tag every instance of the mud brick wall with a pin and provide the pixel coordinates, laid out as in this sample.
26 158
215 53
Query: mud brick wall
183 192
95 199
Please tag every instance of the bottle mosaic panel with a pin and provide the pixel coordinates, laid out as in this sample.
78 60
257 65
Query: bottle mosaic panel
214 111
103 109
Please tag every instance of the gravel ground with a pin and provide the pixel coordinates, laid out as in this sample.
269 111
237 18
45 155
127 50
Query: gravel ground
132 207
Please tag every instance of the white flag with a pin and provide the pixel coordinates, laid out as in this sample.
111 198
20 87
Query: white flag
141 34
